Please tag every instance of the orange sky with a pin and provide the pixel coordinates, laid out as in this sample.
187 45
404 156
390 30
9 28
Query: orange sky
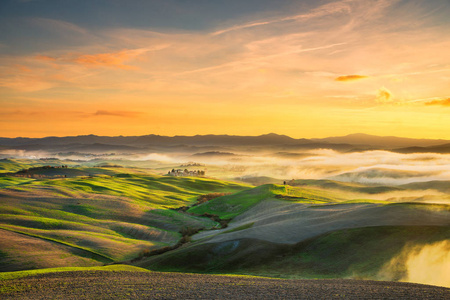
308 69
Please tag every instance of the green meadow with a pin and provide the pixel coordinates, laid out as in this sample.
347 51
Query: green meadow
230 206
104 215
83 221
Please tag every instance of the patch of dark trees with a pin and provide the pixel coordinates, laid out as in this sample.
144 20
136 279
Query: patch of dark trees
284 197
24 171
192 164
108 166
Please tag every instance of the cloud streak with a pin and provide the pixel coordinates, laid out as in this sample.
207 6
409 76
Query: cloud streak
59 26
112 59
443 102
350 77
324 10
123 114
246 62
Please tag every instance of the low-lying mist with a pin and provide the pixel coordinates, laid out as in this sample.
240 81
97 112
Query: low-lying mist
367 167
427 264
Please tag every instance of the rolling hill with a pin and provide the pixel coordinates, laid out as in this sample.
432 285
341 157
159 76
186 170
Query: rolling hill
311 229
86 221
299 232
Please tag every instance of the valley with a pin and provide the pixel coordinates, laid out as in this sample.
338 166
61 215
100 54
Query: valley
96 212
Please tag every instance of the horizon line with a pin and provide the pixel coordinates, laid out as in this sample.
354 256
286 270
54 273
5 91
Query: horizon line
224 134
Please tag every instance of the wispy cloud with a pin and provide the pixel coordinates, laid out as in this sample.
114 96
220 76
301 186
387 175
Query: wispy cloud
350 77
112 59
251 60
59 26
41 57
443 102
26 81
383 96
327 9
44 71
115 113
37 114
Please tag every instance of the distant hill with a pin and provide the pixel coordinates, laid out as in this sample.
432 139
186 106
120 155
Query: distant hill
444 148
291 155
146 140
343 186
439 185
382 175
214 154
77 147
276 142
324 145
385 142
54 172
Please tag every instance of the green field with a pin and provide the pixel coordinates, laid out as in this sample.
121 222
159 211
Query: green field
99 215
84 221
231 206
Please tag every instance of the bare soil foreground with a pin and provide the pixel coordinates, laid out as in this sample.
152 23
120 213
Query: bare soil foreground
156 285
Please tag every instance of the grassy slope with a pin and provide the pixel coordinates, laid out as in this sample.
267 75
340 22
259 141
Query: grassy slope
13 165
358 252
345 186
106 218
102 218
259 180
443 186
231 206
13 181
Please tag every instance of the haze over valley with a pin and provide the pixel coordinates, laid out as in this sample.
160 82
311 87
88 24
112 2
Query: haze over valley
273 201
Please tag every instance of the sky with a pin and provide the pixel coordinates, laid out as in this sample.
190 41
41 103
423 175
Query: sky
242 67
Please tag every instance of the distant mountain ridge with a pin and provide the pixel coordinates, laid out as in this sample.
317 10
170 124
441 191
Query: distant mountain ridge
442 148
382 141
352 142
267 139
